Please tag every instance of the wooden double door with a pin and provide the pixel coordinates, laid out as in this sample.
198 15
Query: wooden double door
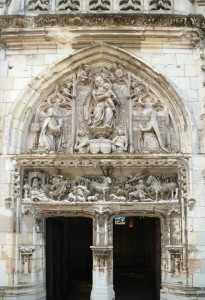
136 258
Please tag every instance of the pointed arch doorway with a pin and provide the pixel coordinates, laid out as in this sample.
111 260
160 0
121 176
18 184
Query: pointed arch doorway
137 258
68 258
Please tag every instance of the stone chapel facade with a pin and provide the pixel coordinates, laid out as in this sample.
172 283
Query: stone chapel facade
102 115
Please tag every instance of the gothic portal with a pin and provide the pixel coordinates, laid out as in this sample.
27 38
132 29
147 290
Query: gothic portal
104 140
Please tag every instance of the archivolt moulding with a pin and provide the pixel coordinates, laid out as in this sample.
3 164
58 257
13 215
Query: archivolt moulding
21 114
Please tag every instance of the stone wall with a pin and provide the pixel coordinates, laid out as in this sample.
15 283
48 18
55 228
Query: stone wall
31 59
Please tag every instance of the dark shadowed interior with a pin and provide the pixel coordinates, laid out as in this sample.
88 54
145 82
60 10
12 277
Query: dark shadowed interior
136 256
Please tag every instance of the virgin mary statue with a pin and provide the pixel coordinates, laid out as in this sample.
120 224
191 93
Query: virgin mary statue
100 108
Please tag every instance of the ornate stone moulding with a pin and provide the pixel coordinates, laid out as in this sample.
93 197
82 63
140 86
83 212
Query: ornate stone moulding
103 108
100 87
113 20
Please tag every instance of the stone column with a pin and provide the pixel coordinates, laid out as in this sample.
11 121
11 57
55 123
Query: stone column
102 288
102 274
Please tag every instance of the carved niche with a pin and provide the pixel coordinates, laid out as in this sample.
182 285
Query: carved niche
68 5
130 5
160 4
102 108
38 5
26 254
99 5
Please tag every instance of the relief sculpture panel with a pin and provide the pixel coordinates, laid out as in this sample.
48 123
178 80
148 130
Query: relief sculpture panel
42 187
103 108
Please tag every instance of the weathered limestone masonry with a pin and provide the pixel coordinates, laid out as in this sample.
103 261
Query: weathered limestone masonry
102 113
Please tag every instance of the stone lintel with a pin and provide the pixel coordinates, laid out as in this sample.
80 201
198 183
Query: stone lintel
131 37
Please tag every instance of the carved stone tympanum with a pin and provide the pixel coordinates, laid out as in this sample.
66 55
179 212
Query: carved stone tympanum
102 108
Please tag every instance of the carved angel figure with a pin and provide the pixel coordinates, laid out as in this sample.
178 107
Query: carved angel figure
99 111
82 142
119 74
58 188
151 140
50 138
83 74
65 89
120 143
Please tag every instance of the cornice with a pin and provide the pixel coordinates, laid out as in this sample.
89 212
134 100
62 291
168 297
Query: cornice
112 20
129 31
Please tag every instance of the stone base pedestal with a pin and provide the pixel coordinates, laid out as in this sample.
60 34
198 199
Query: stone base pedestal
101 291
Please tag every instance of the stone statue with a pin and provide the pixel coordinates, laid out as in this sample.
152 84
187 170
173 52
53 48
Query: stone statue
50 138
151 140
157 189
109 102
82 142
120 143
58 188
65 90
36 183
78 193
139 193
83 74
99 111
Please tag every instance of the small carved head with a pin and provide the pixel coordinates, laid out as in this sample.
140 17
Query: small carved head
106 86
80 133
118 73
50 111
147 100
99 81
121 132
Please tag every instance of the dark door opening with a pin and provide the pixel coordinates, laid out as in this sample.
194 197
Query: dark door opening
137 254
68 258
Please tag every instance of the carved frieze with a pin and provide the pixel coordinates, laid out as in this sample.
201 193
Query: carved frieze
117 20
42 187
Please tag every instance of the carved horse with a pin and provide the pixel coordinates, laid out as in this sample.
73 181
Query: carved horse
100 187
157 188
